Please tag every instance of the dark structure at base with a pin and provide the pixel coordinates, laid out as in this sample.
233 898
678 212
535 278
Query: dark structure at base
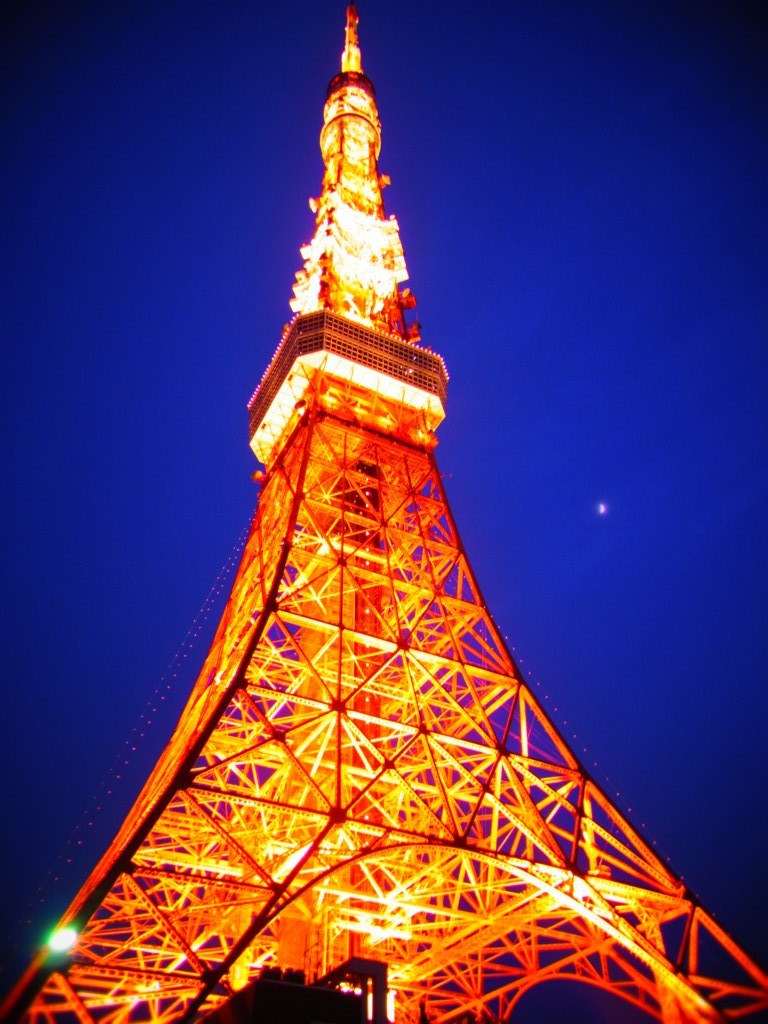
346 996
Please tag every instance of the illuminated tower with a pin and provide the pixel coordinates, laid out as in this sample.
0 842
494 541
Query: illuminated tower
360 769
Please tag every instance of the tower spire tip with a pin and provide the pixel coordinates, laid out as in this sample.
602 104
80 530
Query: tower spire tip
350 58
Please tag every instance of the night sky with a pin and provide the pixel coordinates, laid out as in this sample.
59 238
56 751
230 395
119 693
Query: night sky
581 191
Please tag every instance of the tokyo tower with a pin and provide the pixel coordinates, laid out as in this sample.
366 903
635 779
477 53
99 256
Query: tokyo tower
361 770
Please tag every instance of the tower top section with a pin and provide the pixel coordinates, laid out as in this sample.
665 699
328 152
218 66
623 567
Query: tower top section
348 350
354 264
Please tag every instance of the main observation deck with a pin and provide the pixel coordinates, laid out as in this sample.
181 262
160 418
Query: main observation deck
404 375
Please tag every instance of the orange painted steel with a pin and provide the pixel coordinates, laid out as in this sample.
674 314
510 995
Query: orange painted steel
361 770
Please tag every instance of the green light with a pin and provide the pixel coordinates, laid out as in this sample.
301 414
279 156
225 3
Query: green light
62 939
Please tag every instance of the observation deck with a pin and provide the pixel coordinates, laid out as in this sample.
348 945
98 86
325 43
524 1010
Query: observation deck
405 377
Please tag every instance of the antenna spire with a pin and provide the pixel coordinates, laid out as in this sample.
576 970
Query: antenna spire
350 58
354 264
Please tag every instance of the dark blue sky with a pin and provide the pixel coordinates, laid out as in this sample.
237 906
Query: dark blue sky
582 200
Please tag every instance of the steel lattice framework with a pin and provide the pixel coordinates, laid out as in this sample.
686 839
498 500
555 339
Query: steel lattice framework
360 768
